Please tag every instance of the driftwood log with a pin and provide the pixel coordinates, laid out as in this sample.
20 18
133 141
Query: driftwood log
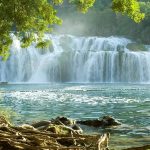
57 134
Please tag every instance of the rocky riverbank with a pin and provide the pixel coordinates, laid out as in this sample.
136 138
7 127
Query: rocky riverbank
60 133
57 134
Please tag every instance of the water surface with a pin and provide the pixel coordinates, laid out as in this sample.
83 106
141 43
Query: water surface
129 103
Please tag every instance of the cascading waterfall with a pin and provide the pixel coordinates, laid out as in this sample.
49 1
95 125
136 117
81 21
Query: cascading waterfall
76 59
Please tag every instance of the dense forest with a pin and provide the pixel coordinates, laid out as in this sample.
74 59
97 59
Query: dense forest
102 21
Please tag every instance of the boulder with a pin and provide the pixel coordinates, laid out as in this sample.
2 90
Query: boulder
41 124
120 48
110 121
104 122
64 121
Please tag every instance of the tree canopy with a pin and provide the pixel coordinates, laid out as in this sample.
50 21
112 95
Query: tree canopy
25 18
129 7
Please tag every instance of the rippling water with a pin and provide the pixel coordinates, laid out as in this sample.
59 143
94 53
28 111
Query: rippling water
129 103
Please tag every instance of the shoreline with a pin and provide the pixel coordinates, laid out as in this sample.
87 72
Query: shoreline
60 133
56 134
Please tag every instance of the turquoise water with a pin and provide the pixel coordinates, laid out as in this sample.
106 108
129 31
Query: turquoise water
129 103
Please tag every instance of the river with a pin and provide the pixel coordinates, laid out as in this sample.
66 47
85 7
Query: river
129 103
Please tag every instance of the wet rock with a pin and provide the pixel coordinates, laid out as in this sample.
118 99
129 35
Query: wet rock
94 123
104 122
77 129
64 121
120 48
41 124
110 121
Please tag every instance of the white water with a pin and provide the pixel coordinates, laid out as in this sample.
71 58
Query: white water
77 59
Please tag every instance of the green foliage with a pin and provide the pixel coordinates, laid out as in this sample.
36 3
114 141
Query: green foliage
145 7
43 44
27 18
57 2
129 7
83 5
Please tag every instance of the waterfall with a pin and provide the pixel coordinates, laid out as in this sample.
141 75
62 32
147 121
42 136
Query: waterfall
76 59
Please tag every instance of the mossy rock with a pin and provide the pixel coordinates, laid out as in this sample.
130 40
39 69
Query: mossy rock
59 129
136 47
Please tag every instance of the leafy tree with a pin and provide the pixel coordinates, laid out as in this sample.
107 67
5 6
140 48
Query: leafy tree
145 7
29 17
129 7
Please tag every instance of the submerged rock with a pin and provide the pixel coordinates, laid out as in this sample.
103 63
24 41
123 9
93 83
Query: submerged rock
146 147
104 122
3 83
